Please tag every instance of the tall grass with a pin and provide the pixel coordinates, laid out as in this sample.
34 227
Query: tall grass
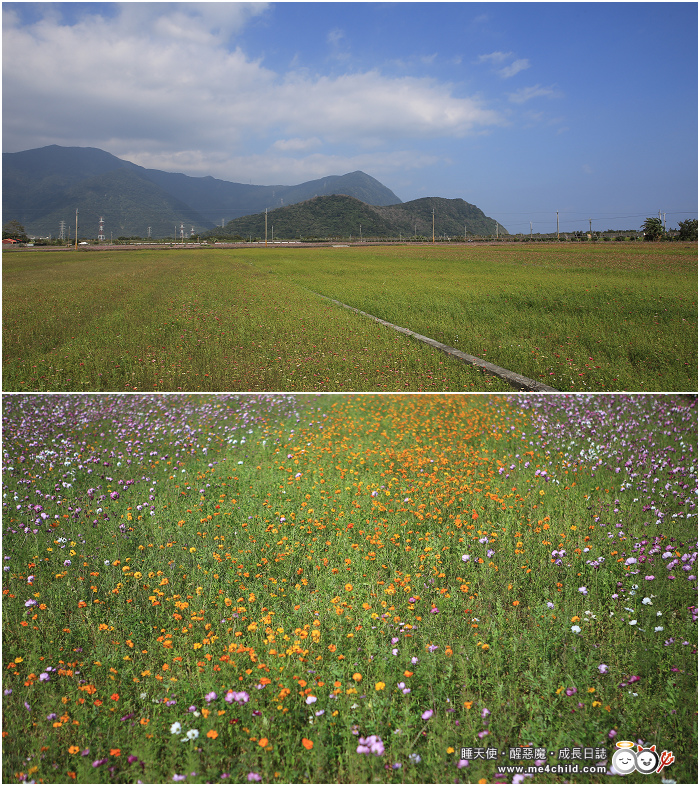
197 321
578 319
352 589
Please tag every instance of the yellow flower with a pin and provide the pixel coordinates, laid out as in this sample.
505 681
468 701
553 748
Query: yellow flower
380 685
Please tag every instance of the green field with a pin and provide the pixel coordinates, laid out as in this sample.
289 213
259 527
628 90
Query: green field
352 589
578 318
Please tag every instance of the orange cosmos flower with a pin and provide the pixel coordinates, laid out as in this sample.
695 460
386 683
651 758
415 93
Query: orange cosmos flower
307 744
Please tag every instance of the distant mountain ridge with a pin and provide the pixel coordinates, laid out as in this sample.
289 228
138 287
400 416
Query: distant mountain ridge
45 186
341 216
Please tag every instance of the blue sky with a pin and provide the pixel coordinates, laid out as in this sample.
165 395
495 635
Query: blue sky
522 109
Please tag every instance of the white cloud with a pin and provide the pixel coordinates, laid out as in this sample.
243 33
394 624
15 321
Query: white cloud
169 85
494 57
514 68
335 36
534 91
296 143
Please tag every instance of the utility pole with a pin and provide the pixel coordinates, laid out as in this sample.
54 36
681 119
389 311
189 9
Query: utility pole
530 230
360 233
557 225
266 226
76 229
664 222
496 230
590 227
433 225
63 229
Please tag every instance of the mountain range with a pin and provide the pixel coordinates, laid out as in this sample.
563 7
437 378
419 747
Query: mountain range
43 187
341 216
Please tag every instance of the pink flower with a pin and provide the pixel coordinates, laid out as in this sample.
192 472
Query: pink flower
426 715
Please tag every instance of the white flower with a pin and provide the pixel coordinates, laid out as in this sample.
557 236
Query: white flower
191 735
646 600
633 622
659 614
659 628
576 629
175 727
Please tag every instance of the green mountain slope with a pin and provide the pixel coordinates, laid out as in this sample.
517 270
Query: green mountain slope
339 216
129 205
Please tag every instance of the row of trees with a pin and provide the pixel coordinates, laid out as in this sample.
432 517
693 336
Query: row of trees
654 229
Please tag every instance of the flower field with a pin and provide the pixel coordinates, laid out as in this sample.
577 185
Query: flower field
324 588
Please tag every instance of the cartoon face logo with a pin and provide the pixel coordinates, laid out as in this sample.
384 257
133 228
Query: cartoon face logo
647 759
624 760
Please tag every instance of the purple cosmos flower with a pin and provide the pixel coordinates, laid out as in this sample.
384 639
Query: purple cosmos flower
463 764
426 715
211 696
254 777
372 744
602 668
241 697
583 590
485 712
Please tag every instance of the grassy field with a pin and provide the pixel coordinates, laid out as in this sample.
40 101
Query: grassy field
577 318
361 589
